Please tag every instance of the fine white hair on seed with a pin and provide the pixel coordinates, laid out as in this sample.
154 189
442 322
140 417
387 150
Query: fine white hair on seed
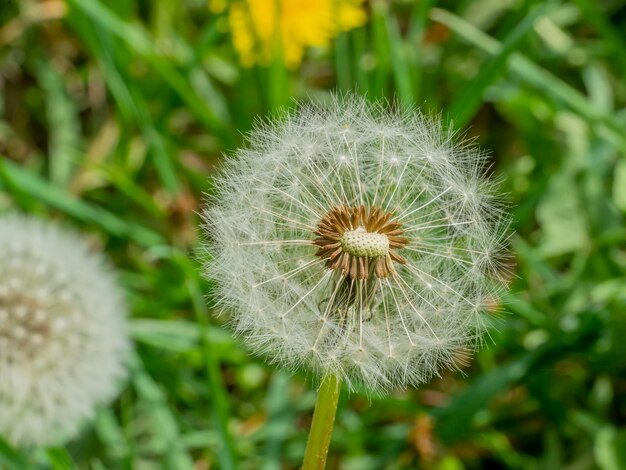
358 240
63 335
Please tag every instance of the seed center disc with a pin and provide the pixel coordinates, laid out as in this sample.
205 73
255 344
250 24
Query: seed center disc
360 242
363 244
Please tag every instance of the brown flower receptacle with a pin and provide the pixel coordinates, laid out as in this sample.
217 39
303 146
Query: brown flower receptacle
360 242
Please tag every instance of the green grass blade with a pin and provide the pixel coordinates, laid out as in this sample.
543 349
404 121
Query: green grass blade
11 459
130 100
280 420
380 46
465 105
165 435
537 76
400 63
343 62
415 38
140 43
63 124
60 459
453 420
592 12
39 189
219 397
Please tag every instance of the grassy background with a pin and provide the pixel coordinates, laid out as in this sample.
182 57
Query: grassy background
114 114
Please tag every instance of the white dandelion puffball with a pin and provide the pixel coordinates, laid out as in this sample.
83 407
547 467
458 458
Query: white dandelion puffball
357 241
63 335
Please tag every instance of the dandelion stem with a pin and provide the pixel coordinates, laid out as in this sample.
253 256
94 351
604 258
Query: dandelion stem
322 425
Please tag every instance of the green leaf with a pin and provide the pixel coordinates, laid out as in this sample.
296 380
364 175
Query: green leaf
39 189
11 459
619 184
538 77
60 459
465 105
561 217
175 335
140 42
63 125
454 420
610 448
165 436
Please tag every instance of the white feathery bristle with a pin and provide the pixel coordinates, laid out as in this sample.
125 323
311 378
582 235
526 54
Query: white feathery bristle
63 335
382 331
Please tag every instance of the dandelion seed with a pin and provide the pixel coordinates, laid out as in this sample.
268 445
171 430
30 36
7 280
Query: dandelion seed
356 241
63 339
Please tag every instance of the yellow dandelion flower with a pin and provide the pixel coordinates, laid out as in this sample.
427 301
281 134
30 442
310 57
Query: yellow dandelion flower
261 29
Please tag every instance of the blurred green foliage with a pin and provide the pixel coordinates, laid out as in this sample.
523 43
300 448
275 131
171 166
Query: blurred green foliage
113 115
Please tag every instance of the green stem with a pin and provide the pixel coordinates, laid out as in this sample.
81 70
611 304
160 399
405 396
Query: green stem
322 425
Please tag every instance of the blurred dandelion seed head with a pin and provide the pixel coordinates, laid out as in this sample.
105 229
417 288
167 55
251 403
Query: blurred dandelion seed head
357 240
63 338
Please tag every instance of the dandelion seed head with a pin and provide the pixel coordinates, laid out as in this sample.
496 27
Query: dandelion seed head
357 240
63 338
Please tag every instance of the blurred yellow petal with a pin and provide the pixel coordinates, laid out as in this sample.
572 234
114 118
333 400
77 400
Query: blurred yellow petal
264 29
351 15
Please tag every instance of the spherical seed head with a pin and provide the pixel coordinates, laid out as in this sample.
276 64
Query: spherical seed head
356 240
63 338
